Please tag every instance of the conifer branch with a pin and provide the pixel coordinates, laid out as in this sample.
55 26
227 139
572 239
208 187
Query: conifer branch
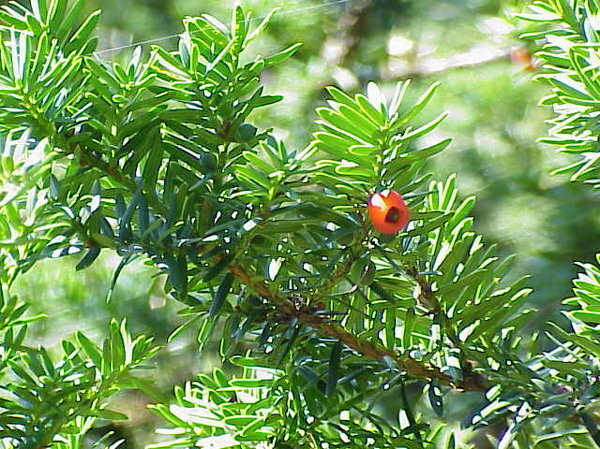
471 382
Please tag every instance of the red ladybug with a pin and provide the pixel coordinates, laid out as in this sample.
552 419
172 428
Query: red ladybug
388 212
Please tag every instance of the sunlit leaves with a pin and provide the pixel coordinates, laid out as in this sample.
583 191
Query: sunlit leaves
570 56
223 412
250 410
59 19
587 298
466 275
268 247
45 396
369 142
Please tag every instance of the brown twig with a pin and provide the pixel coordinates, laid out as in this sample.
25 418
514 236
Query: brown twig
425 296
321 324
470 382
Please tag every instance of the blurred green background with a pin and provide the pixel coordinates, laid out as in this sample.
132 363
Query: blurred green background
494 121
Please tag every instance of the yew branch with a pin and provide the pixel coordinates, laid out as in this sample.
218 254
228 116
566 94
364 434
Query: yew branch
321 324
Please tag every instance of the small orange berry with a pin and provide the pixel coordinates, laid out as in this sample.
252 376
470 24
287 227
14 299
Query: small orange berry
388 212
522 57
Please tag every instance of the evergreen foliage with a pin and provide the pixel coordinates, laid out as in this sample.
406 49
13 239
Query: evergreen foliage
270 252
570 53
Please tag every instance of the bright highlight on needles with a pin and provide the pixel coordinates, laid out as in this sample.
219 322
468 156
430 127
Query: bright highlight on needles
255 19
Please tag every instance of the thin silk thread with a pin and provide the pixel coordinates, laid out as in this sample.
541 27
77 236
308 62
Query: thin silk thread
254 19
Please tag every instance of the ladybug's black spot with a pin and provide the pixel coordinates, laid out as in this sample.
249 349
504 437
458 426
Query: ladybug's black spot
393 215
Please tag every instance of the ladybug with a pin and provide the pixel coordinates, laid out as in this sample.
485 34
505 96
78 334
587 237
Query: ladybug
388 212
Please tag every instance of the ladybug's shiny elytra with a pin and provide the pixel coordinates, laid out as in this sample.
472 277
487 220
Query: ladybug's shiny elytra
388 212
